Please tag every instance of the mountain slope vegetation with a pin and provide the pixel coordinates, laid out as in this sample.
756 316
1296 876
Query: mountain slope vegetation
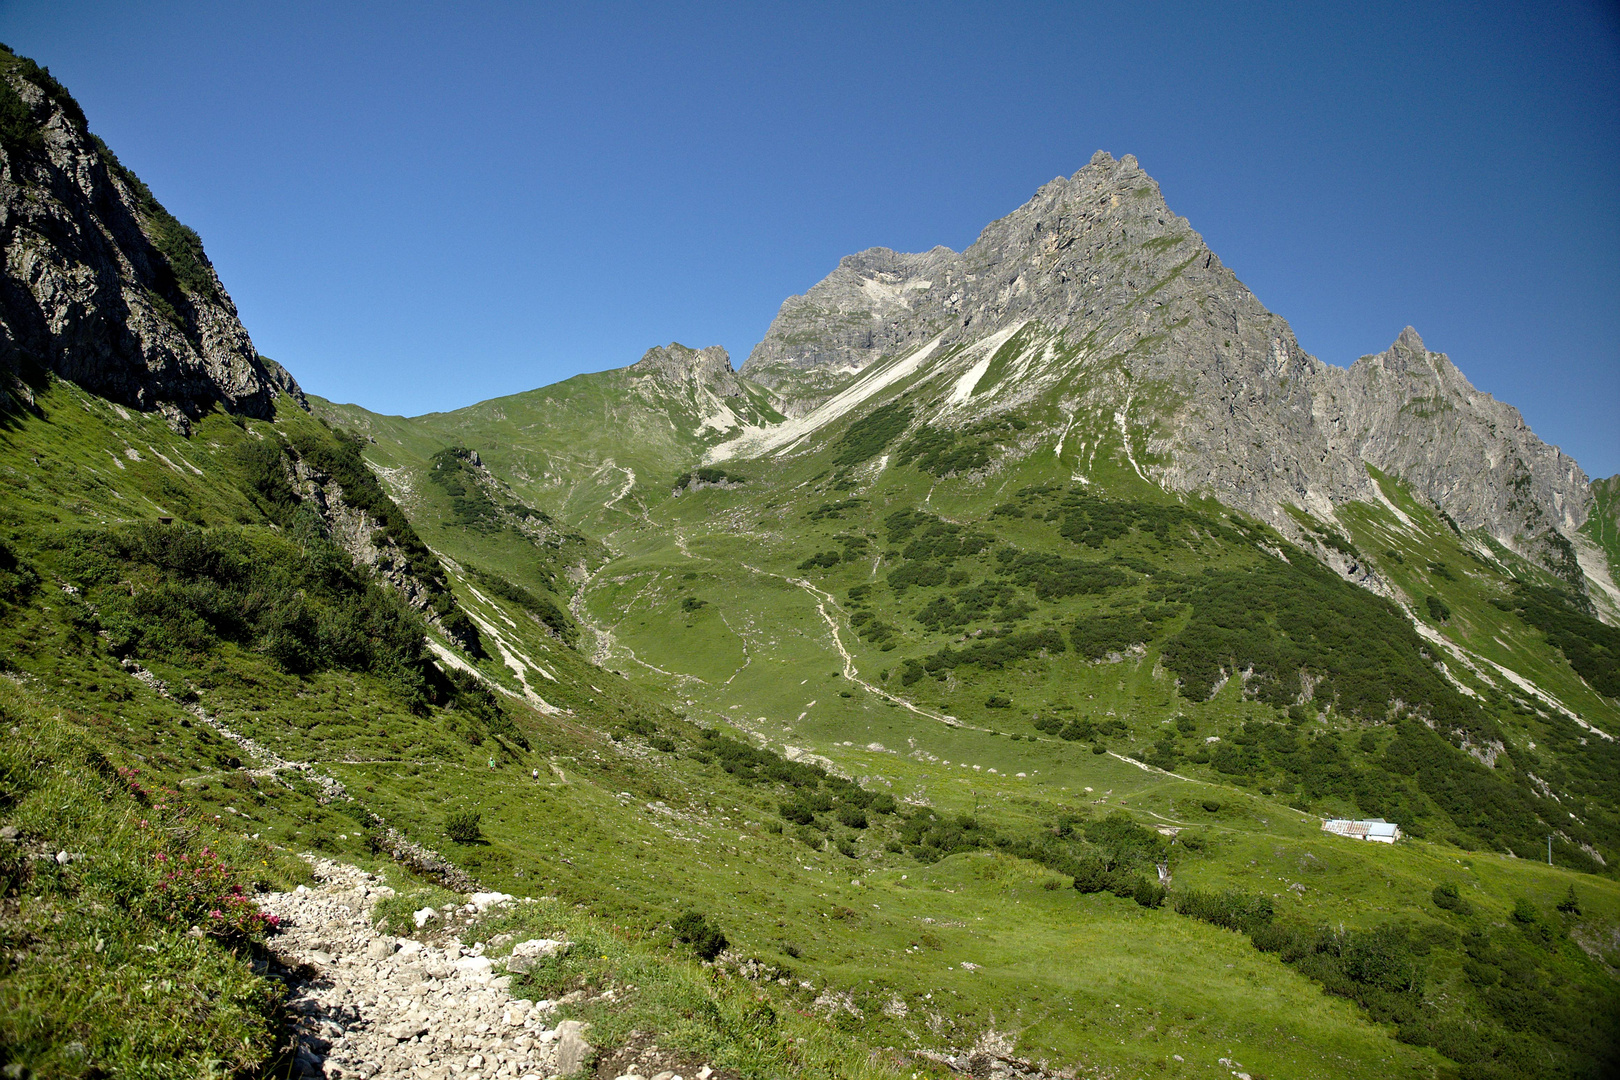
946 698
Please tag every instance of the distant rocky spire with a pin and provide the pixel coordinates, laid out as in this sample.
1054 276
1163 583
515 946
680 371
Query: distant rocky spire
709 368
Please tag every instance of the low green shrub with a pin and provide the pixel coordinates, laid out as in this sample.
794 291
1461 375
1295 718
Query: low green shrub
796 813
1149 894
693 928
464 826
1445 896
1231 909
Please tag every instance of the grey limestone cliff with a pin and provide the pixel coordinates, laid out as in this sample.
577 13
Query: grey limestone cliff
1152 332
676 365
865 309
100 284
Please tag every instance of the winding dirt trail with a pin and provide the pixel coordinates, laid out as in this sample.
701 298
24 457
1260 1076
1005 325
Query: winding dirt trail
851 672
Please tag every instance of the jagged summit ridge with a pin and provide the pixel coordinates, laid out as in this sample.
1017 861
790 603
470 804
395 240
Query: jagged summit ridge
101 285
1124 316
1031 264
1418 416
709 368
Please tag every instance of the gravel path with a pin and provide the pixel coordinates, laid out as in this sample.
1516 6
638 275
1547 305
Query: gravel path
366 1004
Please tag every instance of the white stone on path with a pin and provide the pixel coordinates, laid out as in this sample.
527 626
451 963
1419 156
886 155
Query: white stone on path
391 1008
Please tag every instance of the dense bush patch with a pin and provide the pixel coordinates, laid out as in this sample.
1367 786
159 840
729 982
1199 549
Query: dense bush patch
1053 577
867 437
173 592
947 451
1095 636
1591 647
1525 1013
1280 619
713 477
693 928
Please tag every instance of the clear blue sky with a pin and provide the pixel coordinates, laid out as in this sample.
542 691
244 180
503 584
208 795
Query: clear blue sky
417 207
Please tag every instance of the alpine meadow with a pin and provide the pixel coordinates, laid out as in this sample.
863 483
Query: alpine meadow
993 675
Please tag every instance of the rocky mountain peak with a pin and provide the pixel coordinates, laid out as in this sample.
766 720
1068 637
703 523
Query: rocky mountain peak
1417 416
708 368
1110 292
1081 246
1406 354
101 284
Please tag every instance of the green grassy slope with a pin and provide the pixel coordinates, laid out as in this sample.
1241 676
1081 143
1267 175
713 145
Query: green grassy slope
949 618
961 732
143 650
591 450
1603 523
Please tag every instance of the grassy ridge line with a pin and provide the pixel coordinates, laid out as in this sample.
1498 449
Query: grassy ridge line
566 448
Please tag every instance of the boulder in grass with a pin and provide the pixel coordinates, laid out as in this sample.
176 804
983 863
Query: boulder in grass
525 954
483 901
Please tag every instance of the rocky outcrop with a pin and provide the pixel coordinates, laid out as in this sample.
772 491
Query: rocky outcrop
1410 412
1146 331
372 531
697 386
101 285
361 537
866 309
678 366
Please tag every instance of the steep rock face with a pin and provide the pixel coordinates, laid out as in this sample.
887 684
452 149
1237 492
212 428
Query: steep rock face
863 310
1081 250
1410 412
100 284
368 543
1145 328
353 530
678 366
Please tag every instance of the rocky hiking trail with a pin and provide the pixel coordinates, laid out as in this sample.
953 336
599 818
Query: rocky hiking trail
367 1004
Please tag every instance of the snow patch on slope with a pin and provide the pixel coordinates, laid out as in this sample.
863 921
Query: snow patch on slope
754 442
986 349
720 418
